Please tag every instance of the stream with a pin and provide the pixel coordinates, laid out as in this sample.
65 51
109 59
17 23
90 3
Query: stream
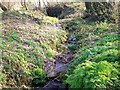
56 67
60 65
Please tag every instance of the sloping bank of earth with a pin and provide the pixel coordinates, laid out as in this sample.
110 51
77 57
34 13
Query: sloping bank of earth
26 46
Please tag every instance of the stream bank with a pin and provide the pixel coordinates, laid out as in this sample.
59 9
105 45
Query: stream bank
28 42
56 67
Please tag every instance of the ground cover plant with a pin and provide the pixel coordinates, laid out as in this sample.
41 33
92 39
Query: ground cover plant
25 48
97 46
91 75
62 46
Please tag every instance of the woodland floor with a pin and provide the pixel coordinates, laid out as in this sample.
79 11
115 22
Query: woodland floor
29 28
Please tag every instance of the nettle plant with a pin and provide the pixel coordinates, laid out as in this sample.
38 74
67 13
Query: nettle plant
91 75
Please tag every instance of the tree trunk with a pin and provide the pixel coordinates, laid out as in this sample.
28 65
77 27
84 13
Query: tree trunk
88 6
103 10
3 7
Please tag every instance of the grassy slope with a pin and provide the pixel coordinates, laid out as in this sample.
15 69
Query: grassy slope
25 46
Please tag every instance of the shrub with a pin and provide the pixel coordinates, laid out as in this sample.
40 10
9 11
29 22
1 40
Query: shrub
91 75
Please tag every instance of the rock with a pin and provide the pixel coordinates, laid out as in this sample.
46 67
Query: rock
37 20
60 67
52 74
54 11
54 85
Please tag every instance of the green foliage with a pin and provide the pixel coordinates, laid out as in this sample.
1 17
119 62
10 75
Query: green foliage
104 49
91 75
72 47
38 76
2 77
87 33
98 45
52 20
24 49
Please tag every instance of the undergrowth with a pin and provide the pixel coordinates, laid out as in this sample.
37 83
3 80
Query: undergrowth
29 38
96 55
92 76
